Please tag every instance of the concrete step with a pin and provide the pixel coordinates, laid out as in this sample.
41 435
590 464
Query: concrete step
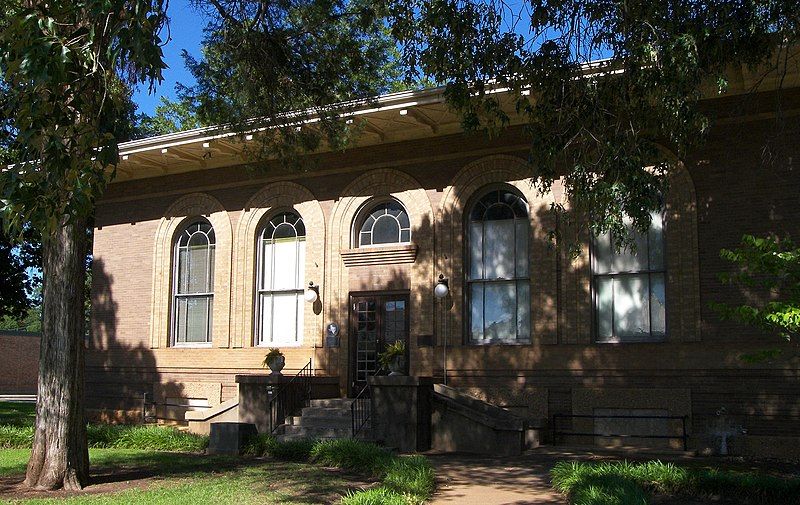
326 412
317 432
323 422
341 403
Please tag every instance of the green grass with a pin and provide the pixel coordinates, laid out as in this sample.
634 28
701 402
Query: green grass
626 483
404 480
194 479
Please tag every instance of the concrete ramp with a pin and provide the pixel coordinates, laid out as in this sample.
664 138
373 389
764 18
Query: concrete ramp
200 420
462 423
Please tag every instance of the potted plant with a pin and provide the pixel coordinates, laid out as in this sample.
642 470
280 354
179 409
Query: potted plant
394 358
274 360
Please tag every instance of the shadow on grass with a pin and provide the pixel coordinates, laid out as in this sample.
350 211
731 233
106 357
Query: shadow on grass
17 413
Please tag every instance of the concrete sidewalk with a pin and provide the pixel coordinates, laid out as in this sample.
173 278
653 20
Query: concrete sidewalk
480 480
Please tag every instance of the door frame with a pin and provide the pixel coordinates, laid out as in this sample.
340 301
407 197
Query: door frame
351 342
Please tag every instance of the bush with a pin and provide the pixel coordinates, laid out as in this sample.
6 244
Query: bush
623 483
16 437
375 496
107 436
360 457
412 475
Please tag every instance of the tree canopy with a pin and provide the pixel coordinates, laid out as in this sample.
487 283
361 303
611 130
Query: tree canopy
604 88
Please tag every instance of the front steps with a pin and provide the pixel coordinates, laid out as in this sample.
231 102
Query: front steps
327 419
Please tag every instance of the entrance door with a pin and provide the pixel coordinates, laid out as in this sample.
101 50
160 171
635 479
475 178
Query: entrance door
376 320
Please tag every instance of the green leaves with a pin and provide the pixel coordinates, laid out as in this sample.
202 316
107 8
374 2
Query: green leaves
64 67
768 269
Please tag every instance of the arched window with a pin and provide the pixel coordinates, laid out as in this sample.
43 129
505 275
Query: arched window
281 266
498 279
385 223
628 286
193 284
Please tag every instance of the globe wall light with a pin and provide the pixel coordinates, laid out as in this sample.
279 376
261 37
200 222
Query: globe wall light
312 292
442 288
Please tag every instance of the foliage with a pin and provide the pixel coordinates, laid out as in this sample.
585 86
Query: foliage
17 414
393 350
769 266
623 483
170 116
66 66
405 480
18 289
605 127
277 65
598 125
273 353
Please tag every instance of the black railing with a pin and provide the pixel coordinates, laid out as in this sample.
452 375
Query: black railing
290 398
684 437
360 410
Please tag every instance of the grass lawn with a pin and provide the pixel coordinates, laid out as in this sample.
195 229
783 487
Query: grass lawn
629 483
17 414
135 476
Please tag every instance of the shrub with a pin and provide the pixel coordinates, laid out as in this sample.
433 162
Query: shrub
412 475
16 437
360 457
293 450
258 445
375 496
622 482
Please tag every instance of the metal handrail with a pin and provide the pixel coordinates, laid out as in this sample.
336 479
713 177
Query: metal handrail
684 437
290 398
360 410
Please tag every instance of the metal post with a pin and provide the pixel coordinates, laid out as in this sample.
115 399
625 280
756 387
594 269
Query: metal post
444 344
144 408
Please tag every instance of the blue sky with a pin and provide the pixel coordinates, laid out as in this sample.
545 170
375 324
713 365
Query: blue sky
186 32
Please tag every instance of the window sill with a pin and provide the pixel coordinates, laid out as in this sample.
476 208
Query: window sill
207 345
500 343
379 255
296 345
659 340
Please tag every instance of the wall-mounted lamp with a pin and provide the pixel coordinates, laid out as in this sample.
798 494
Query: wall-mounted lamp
312 292
442 288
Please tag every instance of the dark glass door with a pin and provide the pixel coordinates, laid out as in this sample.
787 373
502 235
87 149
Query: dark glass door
376 321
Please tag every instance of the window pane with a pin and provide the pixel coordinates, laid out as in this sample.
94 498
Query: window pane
284 323
604 301
284 230
183 271
500 311
476 311
656 235
198 267
631 305
285 270
180 319
197 320
365 238
265 318
658 313
521 255
386 231
476 250
499 248
603 253
265 267
405 235
632 261
523 311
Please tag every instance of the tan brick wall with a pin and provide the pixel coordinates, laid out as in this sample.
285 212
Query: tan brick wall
19 362
724 190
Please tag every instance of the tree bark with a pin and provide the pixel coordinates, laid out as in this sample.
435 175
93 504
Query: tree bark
60 455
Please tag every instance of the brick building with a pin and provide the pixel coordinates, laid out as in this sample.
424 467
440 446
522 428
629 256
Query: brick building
201 264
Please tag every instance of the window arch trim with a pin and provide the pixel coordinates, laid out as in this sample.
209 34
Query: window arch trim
381 211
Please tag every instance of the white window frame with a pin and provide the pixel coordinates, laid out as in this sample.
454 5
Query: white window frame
209 295
260 339
651 337
364 214
516 339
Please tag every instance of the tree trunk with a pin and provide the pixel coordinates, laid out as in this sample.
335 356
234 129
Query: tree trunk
60 456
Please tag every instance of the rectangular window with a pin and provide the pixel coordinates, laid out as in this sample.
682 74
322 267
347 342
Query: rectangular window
629 286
